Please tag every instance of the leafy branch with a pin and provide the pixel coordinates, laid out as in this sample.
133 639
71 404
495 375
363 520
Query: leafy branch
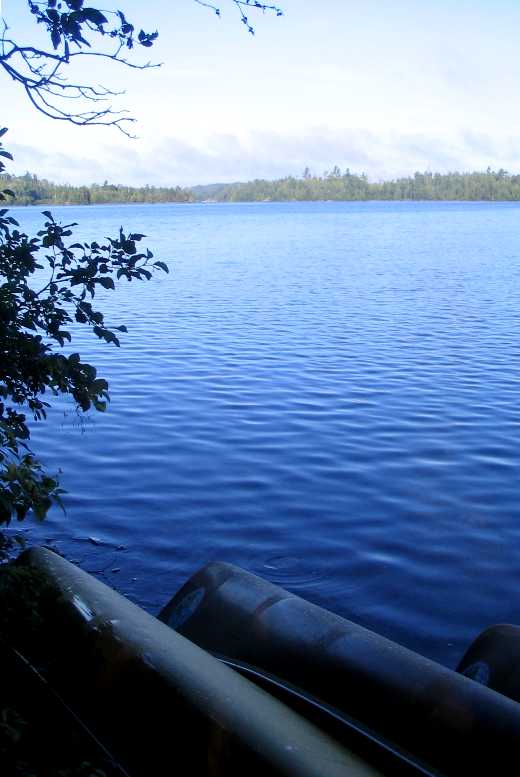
71 27
244 7
35 325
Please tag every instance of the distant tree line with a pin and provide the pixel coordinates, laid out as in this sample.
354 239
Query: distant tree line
331 185
338 185
31 190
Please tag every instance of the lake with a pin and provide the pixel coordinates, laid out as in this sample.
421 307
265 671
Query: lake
325 394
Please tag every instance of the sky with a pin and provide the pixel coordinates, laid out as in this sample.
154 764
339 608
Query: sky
384 87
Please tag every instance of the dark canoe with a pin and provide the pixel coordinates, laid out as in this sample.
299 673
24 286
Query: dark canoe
441 720
164 706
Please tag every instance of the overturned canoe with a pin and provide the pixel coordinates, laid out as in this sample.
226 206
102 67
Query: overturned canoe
162 704
442 718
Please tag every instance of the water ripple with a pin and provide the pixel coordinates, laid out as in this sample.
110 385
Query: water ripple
323 393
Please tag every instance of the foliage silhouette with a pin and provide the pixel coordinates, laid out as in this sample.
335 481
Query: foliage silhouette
36 360
77 31
35 319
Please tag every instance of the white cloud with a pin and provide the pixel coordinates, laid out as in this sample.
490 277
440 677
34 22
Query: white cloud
261 154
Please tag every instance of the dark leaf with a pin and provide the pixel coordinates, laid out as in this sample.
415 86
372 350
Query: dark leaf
107 283
55 37
94 16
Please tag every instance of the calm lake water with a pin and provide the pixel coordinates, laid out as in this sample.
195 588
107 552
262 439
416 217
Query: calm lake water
326 394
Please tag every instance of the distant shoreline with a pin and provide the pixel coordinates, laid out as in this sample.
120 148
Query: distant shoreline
334 186
48 204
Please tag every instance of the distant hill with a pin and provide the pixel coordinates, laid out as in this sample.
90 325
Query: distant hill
211 191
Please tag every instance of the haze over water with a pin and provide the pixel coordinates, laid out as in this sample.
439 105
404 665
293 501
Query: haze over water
323 393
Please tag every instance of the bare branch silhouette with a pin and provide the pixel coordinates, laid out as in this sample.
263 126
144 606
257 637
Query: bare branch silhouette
42 72
76 31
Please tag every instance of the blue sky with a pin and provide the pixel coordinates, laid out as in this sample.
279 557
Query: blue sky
382 86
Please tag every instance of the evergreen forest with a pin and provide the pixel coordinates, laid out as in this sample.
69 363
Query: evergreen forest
31 190
331 185
337 185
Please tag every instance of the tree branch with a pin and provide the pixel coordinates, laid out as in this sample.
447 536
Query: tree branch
42 72
242 6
